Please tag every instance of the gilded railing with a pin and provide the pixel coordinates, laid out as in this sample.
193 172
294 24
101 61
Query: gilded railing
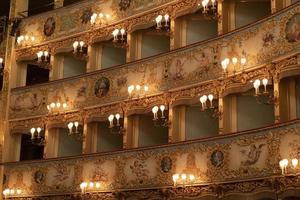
269 47
238 157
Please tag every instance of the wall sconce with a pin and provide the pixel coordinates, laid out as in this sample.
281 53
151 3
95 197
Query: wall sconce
120 37
89 186
137 91
162 22
57 107
162 119
234 61
205 5
75 125
43 59
183 180
80 50
265 97
25 40
284 163
11 192
37 139
210 108
116 123
100 18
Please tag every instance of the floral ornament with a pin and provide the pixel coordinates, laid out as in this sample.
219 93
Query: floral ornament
86 16
268 39
124 4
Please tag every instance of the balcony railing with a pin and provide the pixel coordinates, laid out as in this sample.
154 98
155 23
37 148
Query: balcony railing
237 157
265 45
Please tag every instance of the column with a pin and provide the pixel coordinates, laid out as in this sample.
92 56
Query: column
277 5
52 140
172 34
220 19
132 132
276 99
229 114
58 4
178 124
221 113
125 136
179 32
57 63
287 101
85 140
91 138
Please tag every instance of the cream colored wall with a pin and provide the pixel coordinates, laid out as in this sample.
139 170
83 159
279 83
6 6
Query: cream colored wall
107 141
73 67
68 145
112 56
154 44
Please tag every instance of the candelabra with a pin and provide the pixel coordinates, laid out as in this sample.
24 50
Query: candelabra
163 22
25 40
116 124
213 111
7 193
100 18
137 91
120 38
1 66
284 166
234 62
36 137
43 59
57 107
89 187
183 180
80 50
265 97
78 133
162 119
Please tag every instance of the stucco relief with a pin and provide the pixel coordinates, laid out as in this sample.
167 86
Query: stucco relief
180 68
127 170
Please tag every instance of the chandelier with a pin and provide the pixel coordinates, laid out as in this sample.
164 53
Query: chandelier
25 40
43 59
206 4
1 62
119 37
36 137
235 62
8 192
80 50
57 107
89 186
264 97
213 111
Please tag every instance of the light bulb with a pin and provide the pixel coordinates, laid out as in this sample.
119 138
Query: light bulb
46 53
91 184
137 87
175 177
64 105
52 105
32 130
70 125
115 32
58 105
32 38
183 177
234 60
122 31
26 37
146 88
101 15
158 19
256 83
39 129
243 61
1 60
98 185
204 98
210 97
76 124
166 17
265 82
285 162
12 192
75 44
162 108
19 191
107 16
81 44
83 185
155 109
295 163
192 177
118 116
111 118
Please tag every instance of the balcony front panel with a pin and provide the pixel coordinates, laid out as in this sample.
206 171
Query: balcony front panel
261 44
229 158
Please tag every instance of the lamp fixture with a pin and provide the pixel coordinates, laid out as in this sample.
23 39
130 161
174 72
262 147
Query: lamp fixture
8 192
80 50
213 111
116 123
137 90
100 18
234 62
36 137
89 186
265 97
43 59
162 118
119 37
25 40
75 125
183 180
162 22
1 62
57 107
206 4
284 166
